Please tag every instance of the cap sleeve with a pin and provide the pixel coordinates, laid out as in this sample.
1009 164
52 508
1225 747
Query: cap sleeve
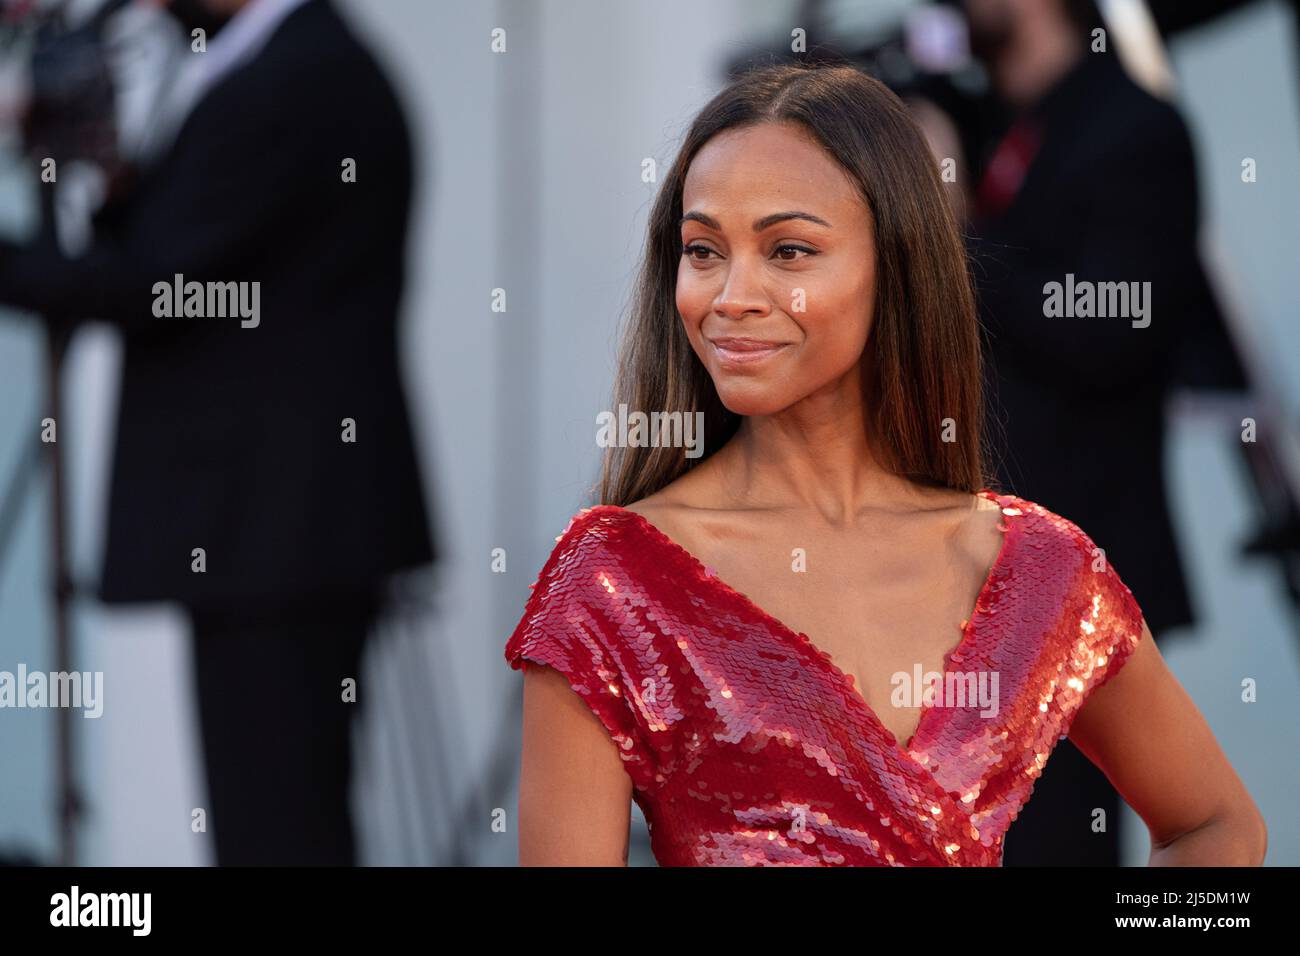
571 623
1110 625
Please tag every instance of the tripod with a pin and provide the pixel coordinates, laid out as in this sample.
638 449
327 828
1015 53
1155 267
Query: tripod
70 116
39 453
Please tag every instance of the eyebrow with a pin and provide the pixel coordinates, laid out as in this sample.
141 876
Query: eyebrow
759 224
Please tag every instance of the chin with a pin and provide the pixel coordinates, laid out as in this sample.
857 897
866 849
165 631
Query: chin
750 401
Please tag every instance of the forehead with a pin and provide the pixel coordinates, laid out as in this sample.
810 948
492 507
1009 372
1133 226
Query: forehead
758 165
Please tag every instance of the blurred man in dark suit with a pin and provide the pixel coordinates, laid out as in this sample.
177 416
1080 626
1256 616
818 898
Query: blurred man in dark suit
1090 180
264 473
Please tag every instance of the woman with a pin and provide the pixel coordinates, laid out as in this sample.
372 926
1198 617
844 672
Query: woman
740 640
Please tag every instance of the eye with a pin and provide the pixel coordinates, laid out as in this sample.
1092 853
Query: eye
691 250
792 248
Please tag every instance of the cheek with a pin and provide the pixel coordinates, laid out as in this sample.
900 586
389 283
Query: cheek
837 319
693 300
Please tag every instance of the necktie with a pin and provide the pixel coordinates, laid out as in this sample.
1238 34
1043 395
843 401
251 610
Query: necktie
1006 170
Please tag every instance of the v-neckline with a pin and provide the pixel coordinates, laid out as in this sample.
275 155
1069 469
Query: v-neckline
839 675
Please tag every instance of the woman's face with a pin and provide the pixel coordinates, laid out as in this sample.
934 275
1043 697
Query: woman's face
777 278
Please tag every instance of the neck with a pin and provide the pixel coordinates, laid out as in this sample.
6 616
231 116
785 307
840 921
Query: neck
816 454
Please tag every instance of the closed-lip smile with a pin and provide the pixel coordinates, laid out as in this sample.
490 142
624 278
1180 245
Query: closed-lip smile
742 351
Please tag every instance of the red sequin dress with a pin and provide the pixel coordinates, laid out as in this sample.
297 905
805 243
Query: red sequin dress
746 745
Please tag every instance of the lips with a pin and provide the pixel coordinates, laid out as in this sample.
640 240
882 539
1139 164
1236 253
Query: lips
735 352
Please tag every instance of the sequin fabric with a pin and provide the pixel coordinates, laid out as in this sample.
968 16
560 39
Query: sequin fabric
747 746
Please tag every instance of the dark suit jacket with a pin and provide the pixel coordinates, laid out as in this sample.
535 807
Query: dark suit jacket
1110 196
229 438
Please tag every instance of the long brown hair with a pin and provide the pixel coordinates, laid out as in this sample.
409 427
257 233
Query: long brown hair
924 349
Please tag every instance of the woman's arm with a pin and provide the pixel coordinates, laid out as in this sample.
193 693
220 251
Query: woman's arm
574 795
1143 731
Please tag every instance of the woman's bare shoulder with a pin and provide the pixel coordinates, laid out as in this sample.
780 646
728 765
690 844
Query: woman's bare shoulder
697 488
679 507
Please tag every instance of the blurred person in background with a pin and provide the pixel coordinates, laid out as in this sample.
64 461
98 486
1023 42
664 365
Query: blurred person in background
279 444
1081 173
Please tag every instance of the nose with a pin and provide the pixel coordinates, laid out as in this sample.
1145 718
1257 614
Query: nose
742 295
